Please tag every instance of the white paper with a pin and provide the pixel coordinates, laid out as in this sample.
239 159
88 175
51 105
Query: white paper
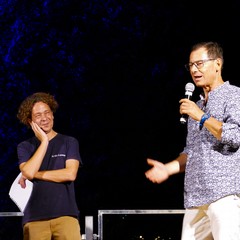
19 195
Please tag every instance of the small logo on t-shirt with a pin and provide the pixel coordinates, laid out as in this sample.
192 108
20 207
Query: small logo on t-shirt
59 155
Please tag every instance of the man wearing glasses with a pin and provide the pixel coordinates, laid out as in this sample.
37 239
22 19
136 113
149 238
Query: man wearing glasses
211 157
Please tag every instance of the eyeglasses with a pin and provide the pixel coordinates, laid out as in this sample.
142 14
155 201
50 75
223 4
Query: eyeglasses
198 64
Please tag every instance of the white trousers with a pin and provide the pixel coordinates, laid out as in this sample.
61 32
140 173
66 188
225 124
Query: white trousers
219 220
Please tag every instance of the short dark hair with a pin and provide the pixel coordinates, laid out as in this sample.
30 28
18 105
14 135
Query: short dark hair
214 49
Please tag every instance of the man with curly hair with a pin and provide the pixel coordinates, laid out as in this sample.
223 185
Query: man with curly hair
51 161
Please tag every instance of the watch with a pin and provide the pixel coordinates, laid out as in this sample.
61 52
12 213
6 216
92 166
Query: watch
205 117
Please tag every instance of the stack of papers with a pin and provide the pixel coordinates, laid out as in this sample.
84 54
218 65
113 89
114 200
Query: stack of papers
19 195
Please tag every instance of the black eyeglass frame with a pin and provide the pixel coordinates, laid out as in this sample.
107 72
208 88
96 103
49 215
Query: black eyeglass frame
198 64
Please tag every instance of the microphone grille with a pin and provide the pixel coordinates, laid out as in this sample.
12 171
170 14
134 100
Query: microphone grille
189 87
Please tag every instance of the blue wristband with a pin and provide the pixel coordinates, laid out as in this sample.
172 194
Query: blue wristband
205 117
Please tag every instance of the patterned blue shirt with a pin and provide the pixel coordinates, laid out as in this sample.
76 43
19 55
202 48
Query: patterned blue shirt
213 166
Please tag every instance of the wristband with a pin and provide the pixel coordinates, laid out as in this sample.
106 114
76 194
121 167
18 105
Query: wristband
205 117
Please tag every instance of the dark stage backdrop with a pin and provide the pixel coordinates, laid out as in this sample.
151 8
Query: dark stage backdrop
116 69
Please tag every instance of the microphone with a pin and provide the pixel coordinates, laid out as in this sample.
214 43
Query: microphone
189 88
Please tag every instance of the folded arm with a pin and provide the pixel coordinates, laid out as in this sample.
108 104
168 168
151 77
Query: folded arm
69 173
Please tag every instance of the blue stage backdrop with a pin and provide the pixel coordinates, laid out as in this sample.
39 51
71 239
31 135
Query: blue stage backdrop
117 71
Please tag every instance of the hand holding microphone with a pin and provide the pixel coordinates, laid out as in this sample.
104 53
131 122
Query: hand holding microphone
189 88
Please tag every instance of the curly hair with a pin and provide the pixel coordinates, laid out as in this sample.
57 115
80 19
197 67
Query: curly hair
25 109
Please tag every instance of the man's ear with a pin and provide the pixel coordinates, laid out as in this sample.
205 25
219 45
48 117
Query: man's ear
29 121
219 64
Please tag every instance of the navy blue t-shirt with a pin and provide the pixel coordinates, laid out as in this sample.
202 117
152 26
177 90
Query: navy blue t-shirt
50 199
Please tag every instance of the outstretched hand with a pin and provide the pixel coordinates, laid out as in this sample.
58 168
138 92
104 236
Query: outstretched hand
158 173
